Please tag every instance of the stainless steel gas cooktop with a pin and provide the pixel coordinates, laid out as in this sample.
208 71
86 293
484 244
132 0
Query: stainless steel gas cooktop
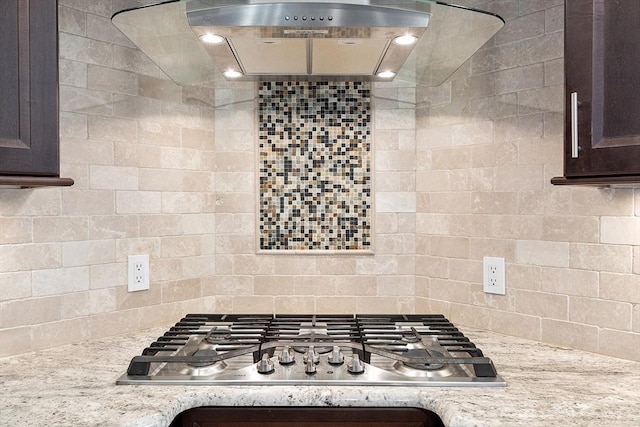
362 349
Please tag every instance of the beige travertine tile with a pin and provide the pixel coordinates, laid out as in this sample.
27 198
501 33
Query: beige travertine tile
86 50
625 345
479 248
336 305
395 181
73 125
253 304
128 59
162 89
477 179
396 160
395 202
449 247
235 244
336 265
274 285
113 178
236 285
523 27
75 305
134 202
494 202
522 277
72 74
517 227
180 290
30 256
15 230
84 151
15 286
449 290
601 313
542 304
450 202
570 282
110 80
620 230
571 229
396 285
612 258
550 254
636 259
113 226
180 246
15 341
467 315
72 21
591 201
102 300
355 285
108 275
522 177
112 129
167 269
114 323
59 281
47 335
161 134
298 304
549 98
87 252
451 158
88 202
61 228
516 324
518 79
636 318
568 334
126 300
466 270
30 311
493 155
519 128
620 287
314 285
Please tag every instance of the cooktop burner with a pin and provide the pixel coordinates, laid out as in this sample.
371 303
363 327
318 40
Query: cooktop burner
361 349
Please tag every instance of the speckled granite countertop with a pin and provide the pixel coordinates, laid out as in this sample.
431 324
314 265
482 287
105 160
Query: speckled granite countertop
74 385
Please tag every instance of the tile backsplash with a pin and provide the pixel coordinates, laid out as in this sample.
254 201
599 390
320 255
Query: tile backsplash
314 150
171 171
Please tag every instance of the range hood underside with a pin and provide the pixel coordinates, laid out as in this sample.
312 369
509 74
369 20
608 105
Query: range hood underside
350 46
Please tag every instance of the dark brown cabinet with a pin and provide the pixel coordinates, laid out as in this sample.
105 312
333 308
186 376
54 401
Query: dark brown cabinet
602 92
29 153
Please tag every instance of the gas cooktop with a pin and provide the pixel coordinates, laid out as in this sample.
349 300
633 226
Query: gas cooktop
361 349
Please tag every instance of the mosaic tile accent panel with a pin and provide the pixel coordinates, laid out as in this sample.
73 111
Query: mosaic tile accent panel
315 165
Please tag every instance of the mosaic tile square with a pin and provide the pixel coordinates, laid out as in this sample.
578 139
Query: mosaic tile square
314 165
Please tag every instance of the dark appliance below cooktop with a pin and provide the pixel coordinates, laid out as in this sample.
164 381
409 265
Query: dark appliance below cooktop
289 349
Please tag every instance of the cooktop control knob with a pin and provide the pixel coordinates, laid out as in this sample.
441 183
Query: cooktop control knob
336 357
355 366
286 357
311 355
265 365
310 368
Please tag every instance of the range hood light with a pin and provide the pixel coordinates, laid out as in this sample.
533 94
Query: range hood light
386 74
232 74
405 40
209 38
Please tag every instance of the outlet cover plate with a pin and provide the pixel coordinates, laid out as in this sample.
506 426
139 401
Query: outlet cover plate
493 275
138 273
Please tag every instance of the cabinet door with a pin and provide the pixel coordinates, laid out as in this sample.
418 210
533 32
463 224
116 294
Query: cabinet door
602 69
29 88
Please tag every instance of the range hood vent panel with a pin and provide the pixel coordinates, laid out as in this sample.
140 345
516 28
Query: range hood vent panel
304 39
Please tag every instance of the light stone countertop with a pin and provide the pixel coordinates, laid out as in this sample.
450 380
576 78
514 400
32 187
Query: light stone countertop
74 385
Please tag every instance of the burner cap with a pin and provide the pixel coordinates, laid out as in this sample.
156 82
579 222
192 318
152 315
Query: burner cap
309 339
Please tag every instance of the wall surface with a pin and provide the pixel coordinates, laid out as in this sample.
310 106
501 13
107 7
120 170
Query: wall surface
170 171
488 144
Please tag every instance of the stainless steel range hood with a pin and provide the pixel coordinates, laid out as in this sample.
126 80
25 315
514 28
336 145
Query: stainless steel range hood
219 41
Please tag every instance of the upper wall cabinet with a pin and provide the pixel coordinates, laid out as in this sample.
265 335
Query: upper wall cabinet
29 94
602 92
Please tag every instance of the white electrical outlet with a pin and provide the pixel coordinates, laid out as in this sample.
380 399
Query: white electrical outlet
138 268
493 275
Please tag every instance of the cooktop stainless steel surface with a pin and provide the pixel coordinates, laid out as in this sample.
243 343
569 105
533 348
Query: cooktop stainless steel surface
215 349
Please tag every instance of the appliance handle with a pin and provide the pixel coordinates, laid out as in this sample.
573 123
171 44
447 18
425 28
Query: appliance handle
574 125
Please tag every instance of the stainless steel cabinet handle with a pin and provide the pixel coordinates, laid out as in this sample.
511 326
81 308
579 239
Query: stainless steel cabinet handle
574 125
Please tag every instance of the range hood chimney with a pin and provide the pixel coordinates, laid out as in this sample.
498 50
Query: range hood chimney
220 41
